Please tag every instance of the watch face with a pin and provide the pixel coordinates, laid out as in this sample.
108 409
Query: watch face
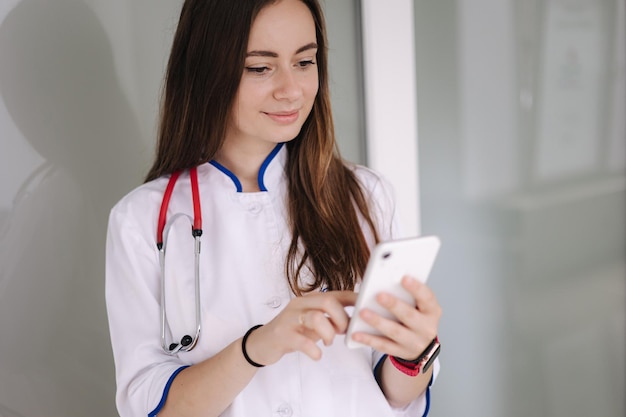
422 363
430 357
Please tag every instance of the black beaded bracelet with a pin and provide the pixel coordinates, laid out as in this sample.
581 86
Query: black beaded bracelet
243 346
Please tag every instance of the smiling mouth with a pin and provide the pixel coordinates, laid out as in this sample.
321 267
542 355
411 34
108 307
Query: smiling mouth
284 117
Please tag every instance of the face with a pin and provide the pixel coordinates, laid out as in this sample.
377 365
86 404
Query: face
279 81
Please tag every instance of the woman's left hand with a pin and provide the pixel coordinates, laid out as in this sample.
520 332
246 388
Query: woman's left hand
415 327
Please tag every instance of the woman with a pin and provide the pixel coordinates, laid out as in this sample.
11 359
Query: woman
287 231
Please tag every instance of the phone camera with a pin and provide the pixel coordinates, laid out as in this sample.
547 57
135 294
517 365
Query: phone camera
386 255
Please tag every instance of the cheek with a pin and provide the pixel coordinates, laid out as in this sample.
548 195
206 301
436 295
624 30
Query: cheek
236 114
249 95
311 89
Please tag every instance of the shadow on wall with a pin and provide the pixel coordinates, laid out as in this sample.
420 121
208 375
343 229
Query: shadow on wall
58 81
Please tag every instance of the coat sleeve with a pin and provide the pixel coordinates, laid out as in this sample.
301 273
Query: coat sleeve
143 371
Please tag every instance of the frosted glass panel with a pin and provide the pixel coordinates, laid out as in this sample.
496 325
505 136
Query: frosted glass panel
521 127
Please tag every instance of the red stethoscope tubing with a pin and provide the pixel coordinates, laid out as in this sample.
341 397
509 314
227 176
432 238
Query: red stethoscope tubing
195 195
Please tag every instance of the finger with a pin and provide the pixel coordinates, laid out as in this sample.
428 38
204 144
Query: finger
379 343
307 346
405 313
390 329
395 340
424 296
332 304
382 343
339 316
318 323
345 298
422 319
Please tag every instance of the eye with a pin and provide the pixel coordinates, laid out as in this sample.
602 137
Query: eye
257 70
306 63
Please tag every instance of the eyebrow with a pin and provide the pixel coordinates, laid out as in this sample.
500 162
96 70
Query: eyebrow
271 54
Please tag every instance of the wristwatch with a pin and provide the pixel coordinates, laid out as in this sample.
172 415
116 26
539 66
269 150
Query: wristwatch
421 364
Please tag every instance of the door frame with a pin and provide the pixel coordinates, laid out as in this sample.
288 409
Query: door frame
388 39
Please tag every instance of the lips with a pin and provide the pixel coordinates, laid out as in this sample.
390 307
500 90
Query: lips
284 117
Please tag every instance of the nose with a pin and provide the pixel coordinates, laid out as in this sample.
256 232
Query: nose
287 86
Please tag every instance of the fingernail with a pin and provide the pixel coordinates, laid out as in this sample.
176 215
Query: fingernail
411 282
383 298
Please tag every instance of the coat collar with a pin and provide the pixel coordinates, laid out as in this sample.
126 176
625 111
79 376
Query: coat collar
270 172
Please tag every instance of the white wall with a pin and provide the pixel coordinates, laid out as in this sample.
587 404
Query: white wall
72 144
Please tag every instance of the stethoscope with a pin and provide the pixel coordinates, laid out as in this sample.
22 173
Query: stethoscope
187 342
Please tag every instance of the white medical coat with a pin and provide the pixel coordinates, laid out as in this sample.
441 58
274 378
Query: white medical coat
245 241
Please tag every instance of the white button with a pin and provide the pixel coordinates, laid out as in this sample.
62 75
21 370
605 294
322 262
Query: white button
274 302
255 208
284 410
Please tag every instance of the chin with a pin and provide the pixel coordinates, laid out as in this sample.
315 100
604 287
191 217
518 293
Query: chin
286 136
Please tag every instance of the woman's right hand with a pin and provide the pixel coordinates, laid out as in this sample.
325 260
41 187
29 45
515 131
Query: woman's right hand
301 324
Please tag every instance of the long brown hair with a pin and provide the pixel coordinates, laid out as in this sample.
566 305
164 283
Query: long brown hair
324 198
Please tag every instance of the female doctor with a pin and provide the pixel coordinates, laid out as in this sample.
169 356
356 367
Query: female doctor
283 227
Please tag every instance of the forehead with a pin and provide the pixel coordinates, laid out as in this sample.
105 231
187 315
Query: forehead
285 25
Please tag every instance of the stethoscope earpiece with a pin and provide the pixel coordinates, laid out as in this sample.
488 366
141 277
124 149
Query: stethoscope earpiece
184 342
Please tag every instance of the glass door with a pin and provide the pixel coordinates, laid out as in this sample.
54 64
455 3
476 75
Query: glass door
522 174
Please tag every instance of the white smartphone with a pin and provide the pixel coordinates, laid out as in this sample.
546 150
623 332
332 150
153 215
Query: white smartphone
388 263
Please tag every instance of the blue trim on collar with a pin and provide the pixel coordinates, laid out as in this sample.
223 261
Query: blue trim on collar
227 172
166 391
265 164
261 175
